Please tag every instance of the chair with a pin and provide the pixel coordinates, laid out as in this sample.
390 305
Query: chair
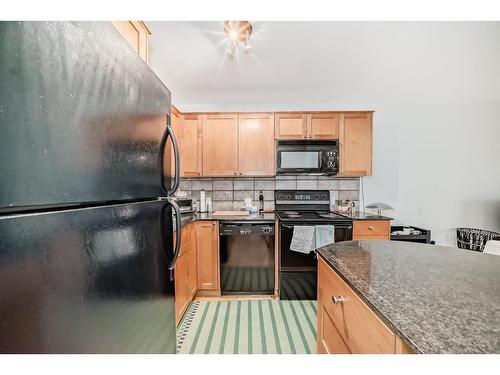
492 247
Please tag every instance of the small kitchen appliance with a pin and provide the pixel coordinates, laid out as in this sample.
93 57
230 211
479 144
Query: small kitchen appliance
311 157
185 205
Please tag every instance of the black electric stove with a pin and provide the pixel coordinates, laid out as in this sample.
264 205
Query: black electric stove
298 271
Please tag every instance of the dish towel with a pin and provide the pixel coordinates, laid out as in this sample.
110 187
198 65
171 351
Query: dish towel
303 239
325 235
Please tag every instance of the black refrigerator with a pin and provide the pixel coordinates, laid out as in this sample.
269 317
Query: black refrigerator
86 247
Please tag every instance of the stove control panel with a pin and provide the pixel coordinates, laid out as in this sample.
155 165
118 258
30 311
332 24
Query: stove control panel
302 197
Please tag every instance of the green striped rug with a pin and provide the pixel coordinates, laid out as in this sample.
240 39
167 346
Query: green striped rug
247 327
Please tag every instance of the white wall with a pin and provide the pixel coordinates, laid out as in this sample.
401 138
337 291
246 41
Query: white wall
435 89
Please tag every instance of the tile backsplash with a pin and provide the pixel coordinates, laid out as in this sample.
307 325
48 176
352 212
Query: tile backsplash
229 193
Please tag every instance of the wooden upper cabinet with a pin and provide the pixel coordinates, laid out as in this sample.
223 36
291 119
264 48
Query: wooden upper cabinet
207 240
175 123
355 144
136 33
220 144
190 144
256 144
290 126
323 126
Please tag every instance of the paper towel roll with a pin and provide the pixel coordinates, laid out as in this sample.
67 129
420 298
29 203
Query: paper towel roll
203 202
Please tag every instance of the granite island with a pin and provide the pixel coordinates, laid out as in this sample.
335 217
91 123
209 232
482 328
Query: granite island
431 299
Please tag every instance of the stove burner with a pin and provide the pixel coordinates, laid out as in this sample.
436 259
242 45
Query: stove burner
291 213
329 215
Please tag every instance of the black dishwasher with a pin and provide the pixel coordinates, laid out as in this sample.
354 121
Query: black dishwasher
246 257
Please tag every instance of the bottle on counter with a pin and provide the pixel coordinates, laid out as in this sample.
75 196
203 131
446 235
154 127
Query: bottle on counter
209 204
261 201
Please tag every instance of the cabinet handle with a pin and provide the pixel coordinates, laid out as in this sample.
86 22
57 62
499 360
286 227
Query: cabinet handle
337 299
371 228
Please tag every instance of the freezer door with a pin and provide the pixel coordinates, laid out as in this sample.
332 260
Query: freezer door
92 280
82 117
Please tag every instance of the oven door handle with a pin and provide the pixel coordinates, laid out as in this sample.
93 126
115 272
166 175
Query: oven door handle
341 226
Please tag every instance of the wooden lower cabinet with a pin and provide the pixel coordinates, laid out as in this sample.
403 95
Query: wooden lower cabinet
207 239
346 324
192 263
371 230
185 272
181 286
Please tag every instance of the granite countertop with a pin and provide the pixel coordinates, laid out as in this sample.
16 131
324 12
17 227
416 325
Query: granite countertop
188 219
438 299
361 215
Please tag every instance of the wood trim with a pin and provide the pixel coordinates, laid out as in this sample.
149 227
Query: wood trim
175 111
277 112
202 293
220 297
146 28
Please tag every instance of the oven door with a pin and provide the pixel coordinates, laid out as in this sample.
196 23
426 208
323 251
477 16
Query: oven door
292 261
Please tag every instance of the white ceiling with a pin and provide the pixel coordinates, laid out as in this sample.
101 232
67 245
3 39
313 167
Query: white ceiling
325 65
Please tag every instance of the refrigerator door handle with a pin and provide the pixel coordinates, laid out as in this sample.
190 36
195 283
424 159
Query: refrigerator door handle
170 132
178 229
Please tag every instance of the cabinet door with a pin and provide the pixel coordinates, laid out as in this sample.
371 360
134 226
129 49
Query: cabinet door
220 145
190 145
256 144
323 126
290 125
192 267
207 241
181 288
136 33
356 144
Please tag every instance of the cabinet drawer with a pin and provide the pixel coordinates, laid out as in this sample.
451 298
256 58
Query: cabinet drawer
359 327
329 338
371 229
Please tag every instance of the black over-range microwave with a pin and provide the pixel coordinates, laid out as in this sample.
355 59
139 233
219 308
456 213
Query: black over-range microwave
312 157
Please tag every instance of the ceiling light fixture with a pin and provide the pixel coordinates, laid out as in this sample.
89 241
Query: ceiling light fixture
239 33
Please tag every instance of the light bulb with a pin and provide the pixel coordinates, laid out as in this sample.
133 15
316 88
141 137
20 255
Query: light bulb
233 35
